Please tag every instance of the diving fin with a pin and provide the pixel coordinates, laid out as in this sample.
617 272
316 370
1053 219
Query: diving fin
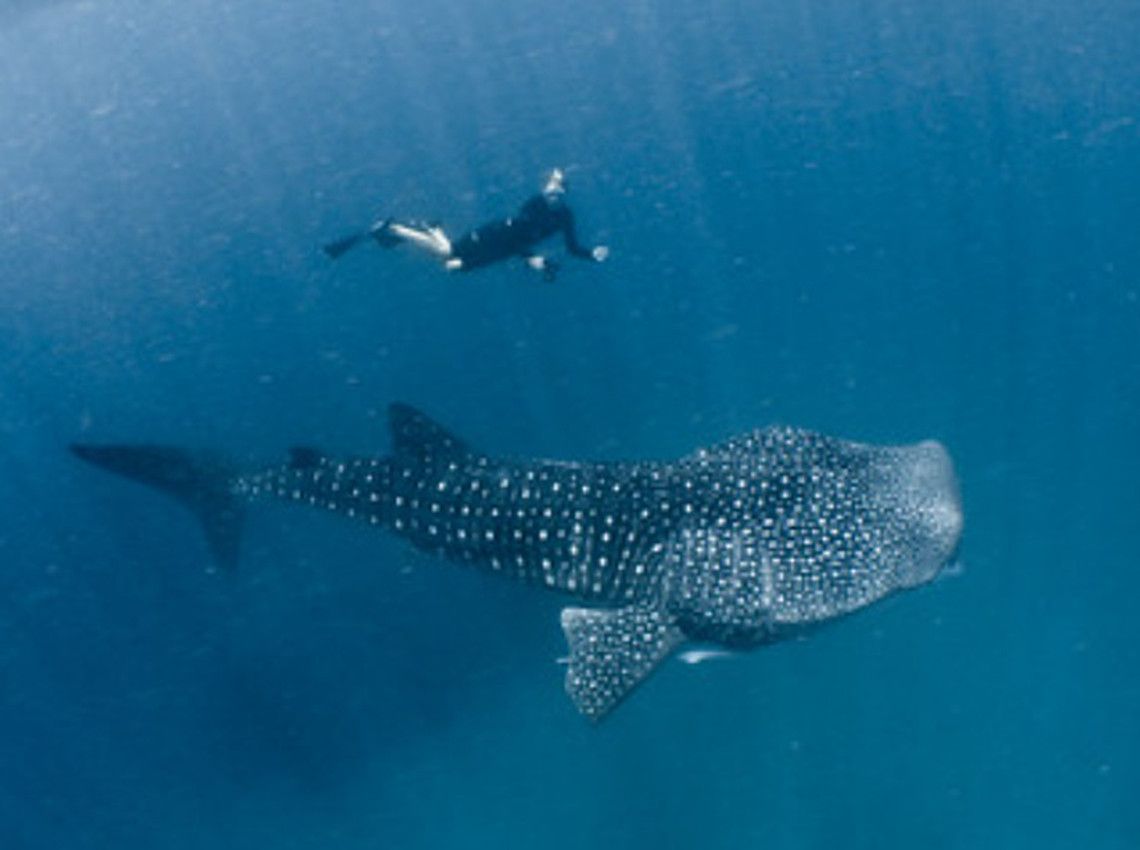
340 247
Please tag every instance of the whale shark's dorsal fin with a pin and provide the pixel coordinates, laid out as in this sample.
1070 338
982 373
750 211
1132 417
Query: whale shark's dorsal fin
612 651
416 435
304 457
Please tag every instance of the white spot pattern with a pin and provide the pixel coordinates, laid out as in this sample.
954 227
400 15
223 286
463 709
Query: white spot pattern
777 527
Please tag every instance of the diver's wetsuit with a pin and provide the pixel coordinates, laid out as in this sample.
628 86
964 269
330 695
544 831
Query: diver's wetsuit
542 216
537 219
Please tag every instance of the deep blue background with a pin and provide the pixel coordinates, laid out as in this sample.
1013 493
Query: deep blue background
887 220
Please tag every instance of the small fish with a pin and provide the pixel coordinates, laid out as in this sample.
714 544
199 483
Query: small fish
696 656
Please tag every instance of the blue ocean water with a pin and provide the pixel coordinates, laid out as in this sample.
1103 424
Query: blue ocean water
886 220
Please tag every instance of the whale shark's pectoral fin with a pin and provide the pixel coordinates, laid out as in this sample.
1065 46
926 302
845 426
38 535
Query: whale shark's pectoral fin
612 651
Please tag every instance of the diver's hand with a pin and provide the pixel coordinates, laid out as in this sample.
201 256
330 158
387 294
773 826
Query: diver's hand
600 253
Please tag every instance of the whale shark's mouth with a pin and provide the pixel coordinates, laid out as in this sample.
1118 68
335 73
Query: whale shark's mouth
928 500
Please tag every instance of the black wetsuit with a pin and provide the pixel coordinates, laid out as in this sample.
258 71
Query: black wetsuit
537 219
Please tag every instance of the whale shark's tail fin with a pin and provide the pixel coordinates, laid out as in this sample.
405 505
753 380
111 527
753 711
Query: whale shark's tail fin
200 482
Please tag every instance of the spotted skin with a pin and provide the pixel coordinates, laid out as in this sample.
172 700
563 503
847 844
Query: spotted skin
738 544
584 529
797 528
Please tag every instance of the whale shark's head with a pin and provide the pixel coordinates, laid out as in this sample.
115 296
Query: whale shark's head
922 492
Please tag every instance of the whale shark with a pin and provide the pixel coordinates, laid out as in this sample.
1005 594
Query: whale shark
735 545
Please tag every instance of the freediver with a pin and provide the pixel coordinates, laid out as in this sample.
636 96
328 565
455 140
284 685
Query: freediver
542 215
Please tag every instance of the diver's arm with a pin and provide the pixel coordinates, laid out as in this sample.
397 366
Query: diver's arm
573 246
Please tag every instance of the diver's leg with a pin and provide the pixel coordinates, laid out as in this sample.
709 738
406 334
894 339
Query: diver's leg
381 232
342 246
431 239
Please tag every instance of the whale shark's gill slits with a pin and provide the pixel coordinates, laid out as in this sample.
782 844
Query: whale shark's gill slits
824 527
